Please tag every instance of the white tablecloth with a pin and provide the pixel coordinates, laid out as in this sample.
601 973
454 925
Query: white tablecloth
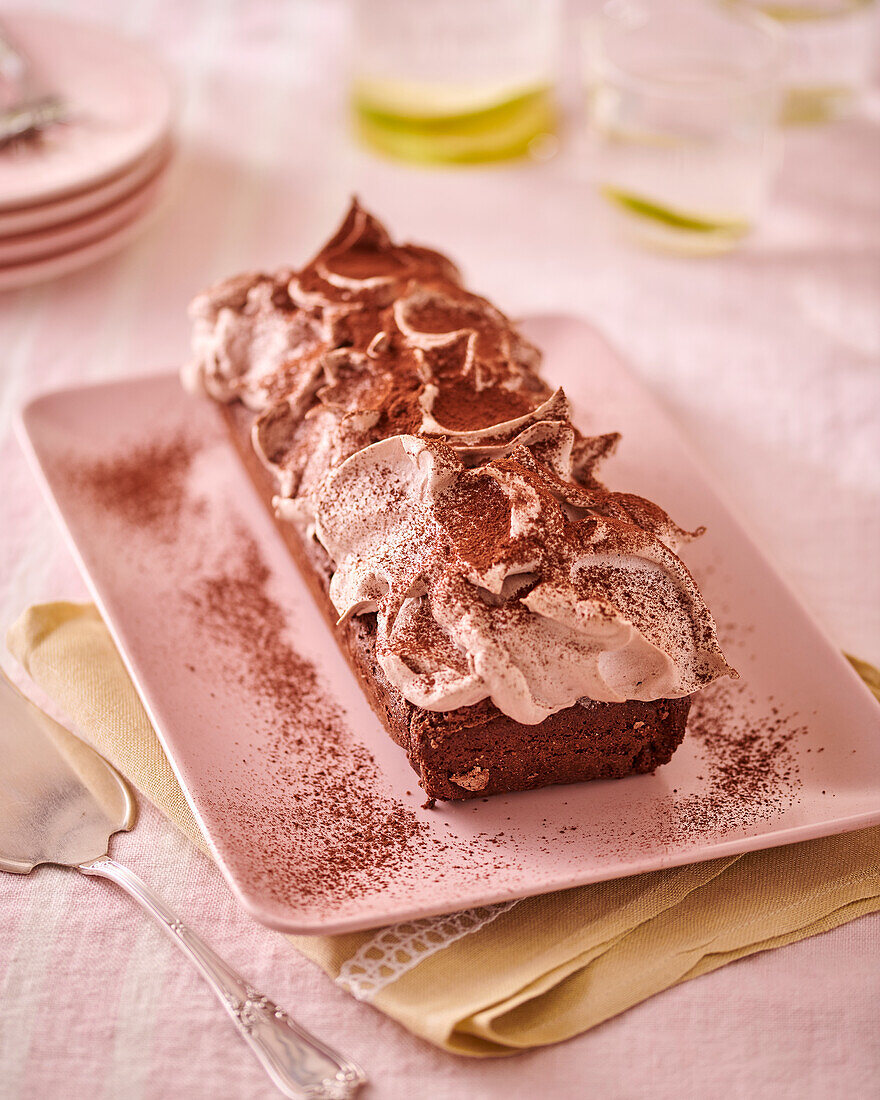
769 360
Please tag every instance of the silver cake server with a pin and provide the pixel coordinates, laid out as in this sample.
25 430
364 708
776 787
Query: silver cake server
60 802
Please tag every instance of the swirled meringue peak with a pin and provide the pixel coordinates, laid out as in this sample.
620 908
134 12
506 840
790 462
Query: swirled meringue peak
408 430
500 582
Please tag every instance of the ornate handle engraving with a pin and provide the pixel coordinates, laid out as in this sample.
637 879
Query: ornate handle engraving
298 1063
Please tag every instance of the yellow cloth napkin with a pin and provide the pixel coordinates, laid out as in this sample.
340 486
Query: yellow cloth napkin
550 966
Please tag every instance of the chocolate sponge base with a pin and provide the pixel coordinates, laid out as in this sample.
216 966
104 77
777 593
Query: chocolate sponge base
477 751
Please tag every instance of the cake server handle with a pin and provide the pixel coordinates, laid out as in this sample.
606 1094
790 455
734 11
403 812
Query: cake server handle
299 1064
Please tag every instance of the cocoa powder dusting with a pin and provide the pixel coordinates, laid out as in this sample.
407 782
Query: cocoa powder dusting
327 829
460 408
750 764
143 487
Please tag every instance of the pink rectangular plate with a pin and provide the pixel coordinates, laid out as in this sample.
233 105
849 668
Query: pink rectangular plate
312 811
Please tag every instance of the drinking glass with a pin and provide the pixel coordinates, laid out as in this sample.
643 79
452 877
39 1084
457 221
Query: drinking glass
830 49
682 107
455 81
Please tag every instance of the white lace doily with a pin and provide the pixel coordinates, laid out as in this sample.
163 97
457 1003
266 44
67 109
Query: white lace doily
394 950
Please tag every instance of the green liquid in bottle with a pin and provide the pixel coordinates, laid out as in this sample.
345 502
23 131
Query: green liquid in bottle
428 130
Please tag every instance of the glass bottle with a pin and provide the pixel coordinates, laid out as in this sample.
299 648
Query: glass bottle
455 81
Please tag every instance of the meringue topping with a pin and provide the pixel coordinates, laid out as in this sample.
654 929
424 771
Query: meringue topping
410 433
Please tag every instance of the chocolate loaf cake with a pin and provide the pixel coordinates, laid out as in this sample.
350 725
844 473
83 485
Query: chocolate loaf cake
512 622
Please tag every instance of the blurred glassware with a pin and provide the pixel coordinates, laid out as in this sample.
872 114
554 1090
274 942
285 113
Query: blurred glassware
682 103
830 51
455 81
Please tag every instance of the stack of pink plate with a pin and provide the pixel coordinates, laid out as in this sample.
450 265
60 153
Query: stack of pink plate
85 187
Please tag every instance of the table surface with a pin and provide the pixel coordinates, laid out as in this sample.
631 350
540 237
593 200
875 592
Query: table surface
768 359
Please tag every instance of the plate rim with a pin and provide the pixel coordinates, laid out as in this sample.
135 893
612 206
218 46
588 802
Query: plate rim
119 186
96 226
59 265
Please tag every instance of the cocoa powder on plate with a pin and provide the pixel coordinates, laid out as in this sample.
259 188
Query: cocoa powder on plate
144 486
327 828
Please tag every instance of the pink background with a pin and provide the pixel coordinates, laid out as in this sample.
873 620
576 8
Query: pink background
767 359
